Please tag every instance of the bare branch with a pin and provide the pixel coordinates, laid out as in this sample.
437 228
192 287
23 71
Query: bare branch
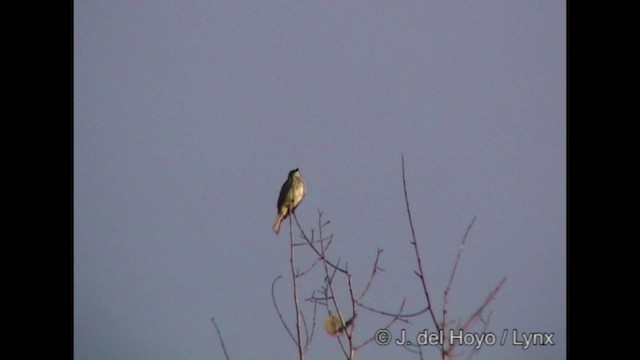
226 355
477 315
348 331
462 243
393 320
275 305
302 273
295 292
329 280
312 246
453 273
398 315
309 337
484 330
373 273
420 272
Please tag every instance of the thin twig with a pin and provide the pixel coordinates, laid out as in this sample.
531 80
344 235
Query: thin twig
393 320
373 273
318 252
453 273
329 279
475 350
295 293
309 337
462 243
302 273
478 313
381 312
352 349
415 246
226 355
275 304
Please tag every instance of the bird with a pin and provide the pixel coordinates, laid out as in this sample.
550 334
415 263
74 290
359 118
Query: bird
333 325
291 194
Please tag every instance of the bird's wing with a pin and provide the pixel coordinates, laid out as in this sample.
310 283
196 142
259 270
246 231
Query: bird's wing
283 193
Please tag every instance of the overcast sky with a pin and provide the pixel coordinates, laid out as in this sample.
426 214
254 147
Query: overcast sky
189 115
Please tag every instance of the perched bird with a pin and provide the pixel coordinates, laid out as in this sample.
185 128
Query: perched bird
334 327
290 197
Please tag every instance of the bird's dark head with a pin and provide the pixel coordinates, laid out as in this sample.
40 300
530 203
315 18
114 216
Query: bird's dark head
294 173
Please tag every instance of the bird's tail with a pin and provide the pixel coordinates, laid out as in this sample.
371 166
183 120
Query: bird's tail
276 224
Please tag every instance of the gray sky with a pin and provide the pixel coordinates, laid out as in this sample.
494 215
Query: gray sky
189 114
